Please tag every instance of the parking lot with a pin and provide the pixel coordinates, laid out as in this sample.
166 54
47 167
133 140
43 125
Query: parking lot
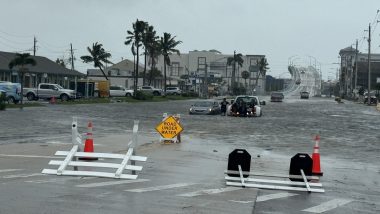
188 177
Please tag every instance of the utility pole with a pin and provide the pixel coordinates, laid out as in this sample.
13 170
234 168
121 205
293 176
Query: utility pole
72 56
356 65
206 82
34 46
369 64
233 72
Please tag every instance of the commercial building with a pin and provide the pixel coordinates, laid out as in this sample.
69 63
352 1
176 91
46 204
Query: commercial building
348 79
190 69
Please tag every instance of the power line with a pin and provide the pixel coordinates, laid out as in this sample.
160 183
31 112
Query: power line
10 46
11 41
13 35
53 46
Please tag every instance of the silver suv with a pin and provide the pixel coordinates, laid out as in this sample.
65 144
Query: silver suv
151 89
173 91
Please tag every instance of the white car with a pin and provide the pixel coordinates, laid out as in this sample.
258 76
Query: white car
120 91
150 89
245 106
173 91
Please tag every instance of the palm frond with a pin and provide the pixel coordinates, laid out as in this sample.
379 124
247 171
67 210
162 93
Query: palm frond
87 59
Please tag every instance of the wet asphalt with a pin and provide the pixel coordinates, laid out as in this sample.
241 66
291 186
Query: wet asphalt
349 150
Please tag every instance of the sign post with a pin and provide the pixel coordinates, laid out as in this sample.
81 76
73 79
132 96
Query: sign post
169 129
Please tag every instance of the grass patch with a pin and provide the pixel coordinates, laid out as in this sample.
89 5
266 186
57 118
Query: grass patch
25 105
85 101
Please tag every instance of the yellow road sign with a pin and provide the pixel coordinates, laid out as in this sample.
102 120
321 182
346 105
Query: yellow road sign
169 128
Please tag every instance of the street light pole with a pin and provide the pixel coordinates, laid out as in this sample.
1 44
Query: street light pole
369 64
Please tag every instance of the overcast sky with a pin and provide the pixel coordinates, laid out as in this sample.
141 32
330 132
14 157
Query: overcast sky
278 29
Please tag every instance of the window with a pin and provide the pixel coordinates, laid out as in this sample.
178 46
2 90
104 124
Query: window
44 86
174 69
201 63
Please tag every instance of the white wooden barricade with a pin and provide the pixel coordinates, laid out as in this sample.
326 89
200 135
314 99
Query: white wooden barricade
274 184
70 159
176 139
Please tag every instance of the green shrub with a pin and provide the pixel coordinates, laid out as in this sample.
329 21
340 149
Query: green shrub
238 90
143 96
190 94
2 101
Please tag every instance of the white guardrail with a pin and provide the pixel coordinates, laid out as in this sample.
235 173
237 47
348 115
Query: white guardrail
127 160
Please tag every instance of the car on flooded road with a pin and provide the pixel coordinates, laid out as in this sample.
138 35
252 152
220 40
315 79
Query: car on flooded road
246 106
304 95
276 97
205 107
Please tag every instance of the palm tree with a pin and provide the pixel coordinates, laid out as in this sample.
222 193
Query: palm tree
245 76
153 73
135 38
149 40
237 58
167 47
21 60
60 62
263 67
98 56
154 52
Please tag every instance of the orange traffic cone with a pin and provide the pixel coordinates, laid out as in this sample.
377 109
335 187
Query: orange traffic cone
89 143
316 158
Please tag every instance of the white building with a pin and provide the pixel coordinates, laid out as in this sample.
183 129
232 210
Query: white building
121 74
195 64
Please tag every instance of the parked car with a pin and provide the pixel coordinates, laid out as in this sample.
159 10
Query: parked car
276 97
151 89
205 107
173 91
48 91
304 95
245 106
13 91
120 91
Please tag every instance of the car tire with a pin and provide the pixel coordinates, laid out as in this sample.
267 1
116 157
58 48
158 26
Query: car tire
64 97
156 93
175 93
128 94
30 96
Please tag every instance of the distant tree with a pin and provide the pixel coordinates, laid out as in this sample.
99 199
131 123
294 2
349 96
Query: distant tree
263 67
61 62
98 56
237 58
152 74
167 47
154 52
149 42
245 76
135 38
22 60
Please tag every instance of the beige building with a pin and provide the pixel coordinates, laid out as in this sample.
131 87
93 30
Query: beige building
193 66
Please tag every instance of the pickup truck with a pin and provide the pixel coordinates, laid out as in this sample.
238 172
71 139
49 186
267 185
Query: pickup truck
151 89
47 91
245 106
